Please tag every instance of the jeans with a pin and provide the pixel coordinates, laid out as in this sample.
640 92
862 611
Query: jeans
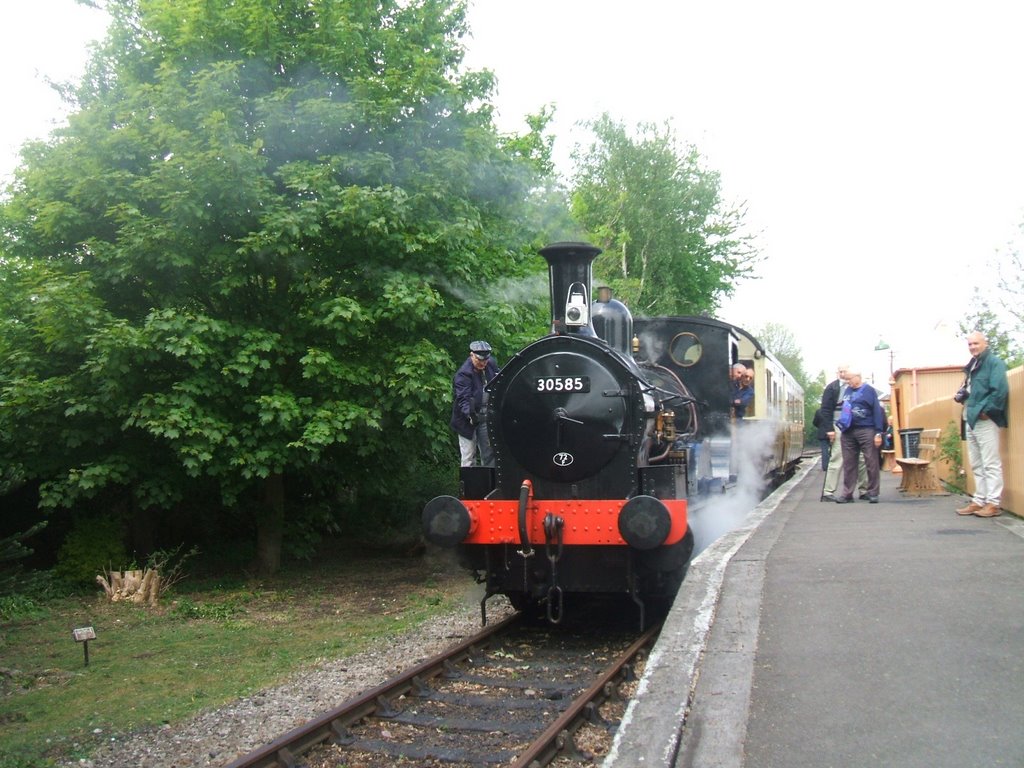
481 440
986 464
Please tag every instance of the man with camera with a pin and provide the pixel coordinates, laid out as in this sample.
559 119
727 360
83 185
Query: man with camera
984 396
468 404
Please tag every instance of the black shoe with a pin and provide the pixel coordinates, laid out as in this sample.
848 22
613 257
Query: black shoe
872 499
864 496
828 497
845 500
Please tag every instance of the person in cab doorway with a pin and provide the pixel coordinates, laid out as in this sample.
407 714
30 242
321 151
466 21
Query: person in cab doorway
468 405
984 415
863 438
742 390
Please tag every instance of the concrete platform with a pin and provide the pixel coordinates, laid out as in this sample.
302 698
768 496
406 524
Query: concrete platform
827 635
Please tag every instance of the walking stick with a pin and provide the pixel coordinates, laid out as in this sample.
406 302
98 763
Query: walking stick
824 479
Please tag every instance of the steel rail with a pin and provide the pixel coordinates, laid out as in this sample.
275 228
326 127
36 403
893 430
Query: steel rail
558 736
284 751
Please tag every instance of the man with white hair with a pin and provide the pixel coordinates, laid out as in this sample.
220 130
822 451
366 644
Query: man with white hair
984 414
863 436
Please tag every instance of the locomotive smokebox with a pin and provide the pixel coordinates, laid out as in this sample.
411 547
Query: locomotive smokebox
569 276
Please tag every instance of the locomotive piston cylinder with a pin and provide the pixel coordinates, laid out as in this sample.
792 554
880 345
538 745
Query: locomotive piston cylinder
644 522
446 521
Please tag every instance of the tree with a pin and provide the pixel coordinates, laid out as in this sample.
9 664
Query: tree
12 550
780 341
671 246
997 313
1001 340
1010 285
238 269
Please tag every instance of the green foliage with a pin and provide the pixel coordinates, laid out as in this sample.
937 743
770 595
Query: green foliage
307 523
671 246
813 390
223 610
255 251
780 341
171 564
94 546
1004 342
17 607
996 310
12 551
951 450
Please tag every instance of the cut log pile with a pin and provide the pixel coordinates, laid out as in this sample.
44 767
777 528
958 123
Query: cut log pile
138 586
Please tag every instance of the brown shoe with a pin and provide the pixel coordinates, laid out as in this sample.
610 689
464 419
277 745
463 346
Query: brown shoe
989 510
970 509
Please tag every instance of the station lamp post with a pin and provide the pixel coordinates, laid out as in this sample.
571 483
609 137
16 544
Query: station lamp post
881 346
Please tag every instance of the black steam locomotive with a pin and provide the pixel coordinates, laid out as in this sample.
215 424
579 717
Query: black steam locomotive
600 446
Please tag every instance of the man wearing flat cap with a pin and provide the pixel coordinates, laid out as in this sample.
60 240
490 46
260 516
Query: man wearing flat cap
468 401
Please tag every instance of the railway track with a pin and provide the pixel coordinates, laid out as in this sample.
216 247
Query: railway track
515 694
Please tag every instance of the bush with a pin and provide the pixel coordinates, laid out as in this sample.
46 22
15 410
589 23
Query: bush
92 547
222 611
12 551
951 451
15 607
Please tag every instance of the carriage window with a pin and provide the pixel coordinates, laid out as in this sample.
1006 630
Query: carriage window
685 349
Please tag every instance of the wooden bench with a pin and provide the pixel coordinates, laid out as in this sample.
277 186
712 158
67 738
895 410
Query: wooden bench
888 461
919 478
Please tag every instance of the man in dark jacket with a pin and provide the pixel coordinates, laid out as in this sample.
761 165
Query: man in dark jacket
823 441
468 401
984 414
826 423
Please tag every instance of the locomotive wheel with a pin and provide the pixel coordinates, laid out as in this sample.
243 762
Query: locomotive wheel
531 608
520 600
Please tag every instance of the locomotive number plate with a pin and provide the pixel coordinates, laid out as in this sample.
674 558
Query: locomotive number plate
563 384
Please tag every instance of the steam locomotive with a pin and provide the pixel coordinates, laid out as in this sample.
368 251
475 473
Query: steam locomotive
604 432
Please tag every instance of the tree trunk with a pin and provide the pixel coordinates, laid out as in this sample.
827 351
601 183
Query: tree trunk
270 526
141 587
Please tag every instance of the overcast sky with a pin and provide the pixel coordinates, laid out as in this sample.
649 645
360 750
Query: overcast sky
875 145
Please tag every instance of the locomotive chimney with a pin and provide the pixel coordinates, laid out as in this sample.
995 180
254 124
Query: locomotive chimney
569 276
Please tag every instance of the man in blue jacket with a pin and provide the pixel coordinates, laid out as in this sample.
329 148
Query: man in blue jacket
863 436
468 400
984 414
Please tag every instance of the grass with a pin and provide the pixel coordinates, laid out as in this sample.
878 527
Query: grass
205 645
